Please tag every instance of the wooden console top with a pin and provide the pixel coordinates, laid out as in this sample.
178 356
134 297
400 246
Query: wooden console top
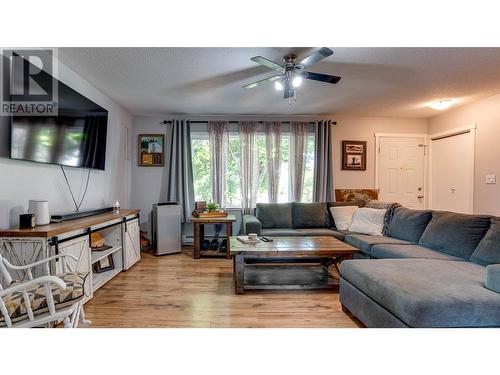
50 230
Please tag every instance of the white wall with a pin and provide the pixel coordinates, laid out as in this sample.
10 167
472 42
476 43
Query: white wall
147 182
364 129
21 181
486 115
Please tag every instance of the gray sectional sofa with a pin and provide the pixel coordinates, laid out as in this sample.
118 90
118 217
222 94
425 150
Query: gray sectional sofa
294 219
430 269
434 276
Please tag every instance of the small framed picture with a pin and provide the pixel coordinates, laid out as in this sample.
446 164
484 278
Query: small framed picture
105 264
354 155
151 150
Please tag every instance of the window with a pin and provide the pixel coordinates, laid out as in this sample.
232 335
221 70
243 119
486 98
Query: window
202 182
202 177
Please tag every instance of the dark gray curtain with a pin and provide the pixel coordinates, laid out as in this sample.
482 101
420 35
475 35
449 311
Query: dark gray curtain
179 165
323 164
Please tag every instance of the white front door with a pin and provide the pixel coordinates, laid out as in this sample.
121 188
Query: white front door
452 173
401 170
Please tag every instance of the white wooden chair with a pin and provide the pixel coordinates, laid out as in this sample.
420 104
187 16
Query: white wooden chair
45 299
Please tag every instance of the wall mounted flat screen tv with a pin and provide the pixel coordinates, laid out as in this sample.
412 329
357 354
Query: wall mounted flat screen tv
76 137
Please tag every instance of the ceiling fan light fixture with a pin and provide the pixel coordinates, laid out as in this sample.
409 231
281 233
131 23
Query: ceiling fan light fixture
442 104
278 85
297 81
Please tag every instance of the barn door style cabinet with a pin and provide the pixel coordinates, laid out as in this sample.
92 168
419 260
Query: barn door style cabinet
120 231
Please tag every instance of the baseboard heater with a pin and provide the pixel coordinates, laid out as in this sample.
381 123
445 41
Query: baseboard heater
78 215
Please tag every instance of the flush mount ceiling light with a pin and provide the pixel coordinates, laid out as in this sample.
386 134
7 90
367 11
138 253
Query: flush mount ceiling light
442 104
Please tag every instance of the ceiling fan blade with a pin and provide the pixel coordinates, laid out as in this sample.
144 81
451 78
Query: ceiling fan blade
288 90
321 77
268 63
319 55
257 83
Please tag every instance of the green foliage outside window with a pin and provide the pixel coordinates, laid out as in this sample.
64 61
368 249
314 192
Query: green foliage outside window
202 176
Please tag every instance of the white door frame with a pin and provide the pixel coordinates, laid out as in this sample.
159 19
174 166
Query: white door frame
400 135
471 129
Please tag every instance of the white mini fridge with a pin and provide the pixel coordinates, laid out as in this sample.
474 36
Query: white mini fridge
166 227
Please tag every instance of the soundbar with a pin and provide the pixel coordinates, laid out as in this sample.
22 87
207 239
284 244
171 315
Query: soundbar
78 215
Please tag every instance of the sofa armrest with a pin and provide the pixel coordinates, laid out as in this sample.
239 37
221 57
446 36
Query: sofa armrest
250 224
493 277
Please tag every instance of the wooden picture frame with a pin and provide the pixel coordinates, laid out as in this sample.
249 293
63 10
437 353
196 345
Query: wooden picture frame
105 264
151 150
354 155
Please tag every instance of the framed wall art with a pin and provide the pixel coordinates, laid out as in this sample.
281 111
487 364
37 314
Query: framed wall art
151 150
354 155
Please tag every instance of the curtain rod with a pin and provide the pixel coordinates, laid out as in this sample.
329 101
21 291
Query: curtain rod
165 122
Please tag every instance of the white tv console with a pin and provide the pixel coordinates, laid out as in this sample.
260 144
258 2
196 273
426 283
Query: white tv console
121 232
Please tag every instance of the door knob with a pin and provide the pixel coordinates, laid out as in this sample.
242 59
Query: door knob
420 196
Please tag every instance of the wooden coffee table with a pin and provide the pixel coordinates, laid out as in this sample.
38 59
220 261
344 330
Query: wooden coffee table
258 266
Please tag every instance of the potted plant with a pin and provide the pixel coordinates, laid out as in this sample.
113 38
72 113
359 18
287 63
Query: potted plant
212 206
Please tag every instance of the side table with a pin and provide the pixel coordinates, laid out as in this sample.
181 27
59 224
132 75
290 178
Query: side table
199 235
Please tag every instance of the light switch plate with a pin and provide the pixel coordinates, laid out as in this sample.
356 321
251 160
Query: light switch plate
491 179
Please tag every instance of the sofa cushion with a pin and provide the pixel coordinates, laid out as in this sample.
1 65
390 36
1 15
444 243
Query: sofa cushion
310 215
488 250
364 242
340 234
280 232
274 215
391 251
408 224
427 292
455 234
316 232
368 221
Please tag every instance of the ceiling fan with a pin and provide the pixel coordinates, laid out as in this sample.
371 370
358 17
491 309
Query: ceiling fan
292 72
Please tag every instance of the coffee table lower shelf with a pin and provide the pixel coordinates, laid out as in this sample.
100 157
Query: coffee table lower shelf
288 277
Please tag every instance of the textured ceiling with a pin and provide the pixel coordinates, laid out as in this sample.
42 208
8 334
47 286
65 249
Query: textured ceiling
375 81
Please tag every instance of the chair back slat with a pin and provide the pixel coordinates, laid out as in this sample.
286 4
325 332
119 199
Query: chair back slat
6 275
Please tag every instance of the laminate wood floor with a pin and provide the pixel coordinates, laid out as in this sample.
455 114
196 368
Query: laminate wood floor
179 291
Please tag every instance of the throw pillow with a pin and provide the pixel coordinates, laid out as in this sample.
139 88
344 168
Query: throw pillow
389 206
342 216
368 221
274 215
310 215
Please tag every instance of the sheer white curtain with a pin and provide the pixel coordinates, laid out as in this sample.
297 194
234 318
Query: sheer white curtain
273 155
298 150
218 138
249 172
